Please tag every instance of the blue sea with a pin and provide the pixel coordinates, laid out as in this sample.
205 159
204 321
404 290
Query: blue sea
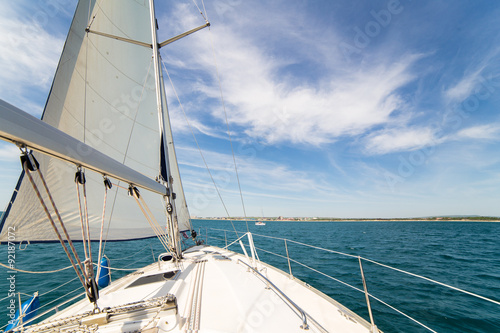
465 255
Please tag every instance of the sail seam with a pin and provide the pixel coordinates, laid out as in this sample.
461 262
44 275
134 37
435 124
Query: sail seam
109 19
137 113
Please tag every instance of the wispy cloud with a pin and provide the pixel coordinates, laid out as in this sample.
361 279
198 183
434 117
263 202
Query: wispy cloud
464 87
28 57
481 132
400 139
276 104
8 152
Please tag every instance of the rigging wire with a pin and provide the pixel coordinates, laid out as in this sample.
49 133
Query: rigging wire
434 281
198 146
203 15
372 261
205 10
227 125
357 289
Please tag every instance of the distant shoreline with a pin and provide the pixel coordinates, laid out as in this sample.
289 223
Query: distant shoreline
438 219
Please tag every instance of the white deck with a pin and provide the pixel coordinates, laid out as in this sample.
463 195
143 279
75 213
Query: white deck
215 292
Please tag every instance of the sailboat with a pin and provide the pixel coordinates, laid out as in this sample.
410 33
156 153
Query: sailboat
101 166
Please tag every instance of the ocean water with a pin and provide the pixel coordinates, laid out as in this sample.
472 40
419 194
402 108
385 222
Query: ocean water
463 254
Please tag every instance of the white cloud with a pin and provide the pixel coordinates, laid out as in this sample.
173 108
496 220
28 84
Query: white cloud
484 132
9 152
400 139
477 78
309 113
29 54
463 88
272 177
276 104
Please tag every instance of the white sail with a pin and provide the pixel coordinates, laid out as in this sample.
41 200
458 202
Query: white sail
103 94
184 221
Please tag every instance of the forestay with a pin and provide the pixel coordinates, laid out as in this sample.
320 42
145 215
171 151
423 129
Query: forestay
115 112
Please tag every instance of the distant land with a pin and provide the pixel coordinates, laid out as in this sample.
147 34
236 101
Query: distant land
447 218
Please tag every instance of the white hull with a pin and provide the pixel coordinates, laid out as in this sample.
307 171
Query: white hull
214 291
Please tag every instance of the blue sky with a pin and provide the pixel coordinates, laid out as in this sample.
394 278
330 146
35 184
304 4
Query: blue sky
336 108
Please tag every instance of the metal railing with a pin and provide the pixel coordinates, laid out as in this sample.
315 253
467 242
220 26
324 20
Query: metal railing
359 258
304 325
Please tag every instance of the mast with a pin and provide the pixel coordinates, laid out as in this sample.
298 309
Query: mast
172 213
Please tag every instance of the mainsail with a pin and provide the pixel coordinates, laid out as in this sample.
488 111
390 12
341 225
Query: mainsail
103 94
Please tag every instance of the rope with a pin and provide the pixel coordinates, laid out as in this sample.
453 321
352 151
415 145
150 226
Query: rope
35 188
81 220
153 219
161 237
87 224
84 217
34 272
9 296
99 255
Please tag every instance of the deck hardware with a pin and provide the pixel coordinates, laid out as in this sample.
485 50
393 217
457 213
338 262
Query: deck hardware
303 315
